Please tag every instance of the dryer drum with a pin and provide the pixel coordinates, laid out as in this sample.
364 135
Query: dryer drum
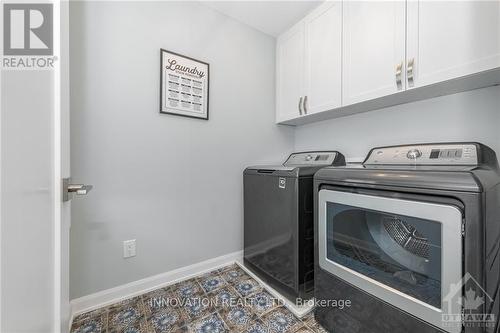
400 240
407 236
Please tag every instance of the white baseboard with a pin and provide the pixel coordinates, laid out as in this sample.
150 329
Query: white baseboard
117 294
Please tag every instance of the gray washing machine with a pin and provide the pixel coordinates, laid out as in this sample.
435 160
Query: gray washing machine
411 238
278 221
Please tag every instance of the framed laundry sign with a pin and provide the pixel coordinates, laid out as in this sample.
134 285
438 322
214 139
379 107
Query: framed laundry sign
184 85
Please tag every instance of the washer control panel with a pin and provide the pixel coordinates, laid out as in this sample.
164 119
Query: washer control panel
429 154
311 158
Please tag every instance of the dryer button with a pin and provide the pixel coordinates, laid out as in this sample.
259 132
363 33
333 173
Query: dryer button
413 154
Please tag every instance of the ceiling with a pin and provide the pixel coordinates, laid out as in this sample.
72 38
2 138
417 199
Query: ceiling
270 17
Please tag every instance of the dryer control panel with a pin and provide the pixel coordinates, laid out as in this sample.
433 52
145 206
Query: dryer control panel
315 158
426 154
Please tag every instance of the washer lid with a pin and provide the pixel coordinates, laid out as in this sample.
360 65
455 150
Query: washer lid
312 158
300 164
270 168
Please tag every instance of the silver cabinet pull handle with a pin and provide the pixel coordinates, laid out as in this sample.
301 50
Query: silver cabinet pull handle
409 72
305 104
300 105
399 72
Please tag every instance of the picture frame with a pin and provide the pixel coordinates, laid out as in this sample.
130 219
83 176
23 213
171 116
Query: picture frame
184 85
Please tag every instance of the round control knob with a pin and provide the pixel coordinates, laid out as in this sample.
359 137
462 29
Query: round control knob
308 157
413 154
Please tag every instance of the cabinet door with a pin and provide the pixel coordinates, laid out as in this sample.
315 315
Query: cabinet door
373 47
323 58
289 76
449 39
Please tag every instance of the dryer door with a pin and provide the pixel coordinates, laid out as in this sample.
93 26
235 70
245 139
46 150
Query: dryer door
394 249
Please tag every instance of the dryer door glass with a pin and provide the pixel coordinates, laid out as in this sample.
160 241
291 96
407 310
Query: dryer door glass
402 252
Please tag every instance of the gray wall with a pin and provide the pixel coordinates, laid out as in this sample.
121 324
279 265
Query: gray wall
172 183
469 116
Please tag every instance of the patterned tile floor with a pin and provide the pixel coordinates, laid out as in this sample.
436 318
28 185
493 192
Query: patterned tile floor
225 300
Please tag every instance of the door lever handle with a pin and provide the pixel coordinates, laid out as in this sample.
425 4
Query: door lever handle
74 189
79 189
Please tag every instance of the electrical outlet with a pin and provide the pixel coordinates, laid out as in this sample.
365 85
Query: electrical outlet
129 248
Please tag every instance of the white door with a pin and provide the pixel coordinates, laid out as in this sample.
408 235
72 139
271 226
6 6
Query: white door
373 48
323 58
34 221
289 73
450 39
65 172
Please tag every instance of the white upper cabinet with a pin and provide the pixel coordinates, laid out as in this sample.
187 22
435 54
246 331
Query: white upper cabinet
290 73
373 49
450 39
323 58
309 64
353 56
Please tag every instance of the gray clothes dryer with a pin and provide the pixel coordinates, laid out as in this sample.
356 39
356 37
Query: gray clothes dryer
278 221
411 238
